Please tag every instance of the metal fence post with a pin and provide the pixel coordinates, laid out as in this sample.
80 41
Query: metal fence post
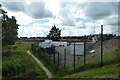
74 57
54 55
101 45
84 50
64 58
49 52
58 60
32 46
51 55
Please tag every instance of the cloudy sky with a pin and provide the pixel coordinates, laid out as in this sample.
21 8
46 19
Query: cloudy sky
73 18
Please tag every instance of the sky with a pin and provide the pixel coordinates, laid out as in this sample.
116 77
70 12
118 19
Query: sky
72 17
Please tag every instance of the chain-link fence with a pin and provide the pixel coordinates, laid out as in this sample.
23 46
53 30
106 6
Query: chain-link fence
80 55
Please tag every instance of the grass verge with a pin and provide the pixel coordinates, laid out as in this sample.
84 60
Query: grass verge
102 72
18 64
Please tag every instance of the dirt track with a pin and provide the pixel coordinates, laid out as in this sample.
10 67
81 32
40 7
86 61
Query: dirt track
49 74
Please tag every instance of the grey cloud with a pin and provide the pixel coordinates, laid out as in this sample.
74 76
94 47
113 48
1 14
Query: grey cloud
111 21
14 6
65 16
119 15
35 9
93 10
67 22
105 11
38 10
99 10
81 25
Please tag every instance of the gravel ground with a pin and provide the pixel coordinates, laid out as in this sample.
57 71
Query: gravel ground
69 57
108 46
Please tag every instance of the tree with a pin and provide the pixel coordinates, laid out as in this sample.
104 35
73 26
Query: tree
54 34
9 29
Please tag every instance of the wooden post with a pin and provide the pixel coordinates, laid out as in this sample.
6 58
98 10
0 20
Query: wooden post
74 58
101 45
64 58
84 50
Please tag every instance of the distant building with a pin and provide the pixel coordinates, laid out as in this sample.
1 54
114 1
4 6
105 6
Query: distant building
49 43
94 39
79 49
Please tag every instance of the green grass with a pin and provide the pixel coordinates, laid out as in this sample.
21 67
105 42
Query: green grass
93 69
101 72
18 63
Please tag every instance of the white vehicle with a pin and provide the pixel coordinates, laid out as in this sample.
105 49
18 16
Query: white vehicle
92 51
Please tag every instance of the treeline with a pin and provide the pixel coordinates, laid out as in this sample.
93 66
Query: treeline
88 37
16 63
106 36
9 28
